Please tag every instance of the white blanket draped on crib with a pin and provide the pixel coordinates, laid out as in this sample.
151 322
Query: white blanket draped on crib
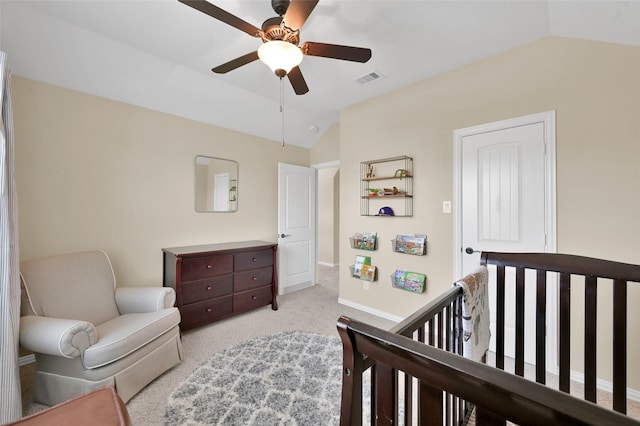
475 313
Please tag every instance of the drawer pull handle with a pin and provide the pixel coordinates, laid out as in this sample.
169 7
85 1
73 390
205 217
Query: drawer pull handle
254 259
208 288
209 310
209 266
254 297
254 278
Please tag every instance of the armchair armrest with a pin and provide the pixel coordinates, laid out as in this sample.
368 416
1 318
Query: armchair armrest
56 336
132 300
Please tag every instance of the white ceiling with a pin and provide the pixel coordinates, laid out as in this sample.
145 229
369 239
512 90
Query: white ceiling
158 54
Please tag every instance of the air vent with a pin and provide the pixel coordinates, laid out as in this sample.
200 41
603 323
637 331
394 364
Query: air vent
369 78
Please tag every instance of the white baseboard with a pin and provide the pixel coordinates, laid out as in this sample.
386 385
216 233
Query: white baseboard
331 265
27 359
371 311
604 385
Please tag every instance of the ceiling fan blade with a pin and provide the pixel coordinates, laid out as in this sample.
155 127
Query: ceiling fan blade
336 51
298 12
236 63
223 15
297 81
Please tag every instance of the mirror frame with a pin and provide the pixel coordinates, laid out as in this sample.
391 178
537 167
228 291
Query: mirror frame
231 191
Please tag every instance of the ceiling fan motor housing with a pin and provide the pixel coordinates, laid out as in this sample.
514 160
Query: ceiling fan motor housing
280 6
273 30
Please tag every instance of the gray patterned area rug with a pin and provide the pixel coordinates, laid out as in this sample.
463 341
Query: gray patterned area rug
291 378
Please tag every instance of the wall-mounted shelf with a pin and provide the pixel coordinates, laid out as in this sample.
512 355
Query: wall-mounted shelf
363 269
407 244
387 182
414 282
364 241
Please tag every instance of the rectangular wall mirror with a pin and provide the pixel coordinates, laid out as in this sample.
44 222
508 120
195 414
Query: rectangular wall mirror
216 184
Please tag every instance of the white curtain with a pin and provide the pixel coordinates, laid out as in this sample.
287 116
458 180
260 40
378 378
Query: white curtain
10 402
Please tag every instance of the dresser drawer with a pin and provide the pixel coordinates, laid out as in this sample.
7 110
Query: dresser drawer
195 291
247 300
197 268
251 279
206 311
253 260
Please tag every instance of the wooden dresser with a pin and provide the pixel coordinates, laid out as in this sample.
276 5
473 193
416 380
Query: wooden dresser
216 281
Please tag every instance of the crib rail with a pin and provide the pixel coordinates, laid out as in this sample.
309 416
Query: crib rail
500 394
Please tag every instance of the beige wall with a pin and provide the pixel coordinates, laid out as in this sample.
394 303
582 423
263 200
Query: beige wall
595 89
94 173
327 148
325 154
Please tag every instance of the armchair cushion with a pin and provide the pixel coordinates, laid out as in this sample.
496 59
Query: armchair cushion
127 333
55 336
132 300
56 284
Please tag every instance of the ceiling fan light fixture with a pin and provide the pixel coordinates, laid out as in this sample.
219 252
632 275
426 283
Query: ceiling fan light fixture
280 56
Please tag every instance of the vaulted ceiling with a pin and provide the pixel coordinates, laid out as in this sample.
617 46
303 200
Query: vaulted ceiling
158 54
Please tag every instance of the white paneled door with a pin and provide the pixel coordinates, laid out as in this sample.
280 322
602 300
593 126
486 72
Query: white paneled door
296 227
504 205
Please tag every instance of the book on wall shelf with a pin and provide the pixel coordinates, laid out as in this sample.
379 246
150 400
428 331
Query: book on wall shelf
414 282
363 269
365 241
416 245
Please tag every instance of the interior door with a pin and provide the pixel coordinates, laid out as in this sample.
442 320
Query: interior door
296 227
504 206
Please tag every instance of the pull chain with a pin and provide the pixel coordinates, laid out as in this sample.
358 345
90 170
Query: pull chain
282 107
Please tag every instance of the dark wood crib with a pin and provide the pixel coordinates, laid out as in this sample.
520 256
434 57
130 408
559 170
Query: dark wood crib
419 377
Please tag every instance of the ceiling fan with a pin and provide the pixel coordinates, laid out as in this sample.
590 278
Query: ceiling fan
280 36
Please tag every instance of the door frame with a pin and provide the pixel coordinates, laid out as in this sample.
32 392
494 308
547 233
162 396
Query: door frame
548 119
318 166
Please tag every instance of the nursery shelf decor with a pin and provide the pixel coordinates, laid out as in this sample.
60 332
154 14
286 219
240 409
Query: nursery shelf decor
364 241
416 245
363 269
387 184
414 282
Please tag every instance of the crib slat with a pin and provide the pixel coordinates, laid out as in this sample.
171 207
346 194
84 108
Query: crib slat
565 332
590 306
500 317
408 399
384 392
448 330
620 346
458 329
431 333
541 325
430 400
440 319
519 322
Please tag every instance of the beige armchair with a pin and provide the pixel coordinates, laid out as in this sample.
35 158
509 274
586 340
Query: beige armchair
87 334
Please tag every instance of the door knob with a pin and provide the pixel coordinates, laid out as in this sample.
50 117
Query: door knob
284 235
470 250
